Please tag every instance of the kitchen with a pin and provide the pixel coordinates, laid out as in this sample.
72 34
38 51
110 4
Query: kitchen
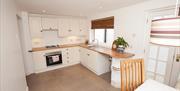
47 31
85 48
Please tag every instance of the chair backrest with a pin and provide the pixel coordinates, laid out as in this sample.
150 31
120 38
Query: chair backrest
132 74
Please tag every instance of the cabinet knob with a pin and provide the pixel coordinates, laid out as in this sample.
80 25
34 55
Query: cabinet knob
88 54
178 60
69 30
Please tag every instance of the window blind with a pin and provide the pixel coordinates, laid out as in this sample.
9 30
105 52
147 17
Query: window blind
103 23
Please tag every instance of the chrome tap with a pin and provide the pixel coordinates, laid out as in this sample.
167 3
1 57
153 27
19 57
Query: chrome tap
96 41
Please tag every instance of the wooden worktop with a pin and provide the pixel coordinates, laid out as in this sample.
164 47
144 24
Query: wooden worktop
102 50
109 52
60 46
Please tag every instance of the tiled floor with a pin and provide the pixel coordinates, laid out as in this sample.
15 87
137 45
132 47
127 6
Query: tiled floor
74 78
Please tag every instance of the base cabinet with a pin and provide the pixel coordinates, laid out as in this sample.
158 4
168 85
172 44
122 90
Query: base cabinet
94 61
39 61
70 56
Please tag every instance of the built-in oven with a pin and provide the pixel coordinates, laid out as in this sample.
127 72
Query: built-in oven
53 58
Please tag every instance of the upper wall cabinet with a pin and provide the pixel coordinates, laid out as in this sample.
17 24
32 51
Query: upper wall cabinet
72 27
49 23
63 27
35 27
83 27
66 26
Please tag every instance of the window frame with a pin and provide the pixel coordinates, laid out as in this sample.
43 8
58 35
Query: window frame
105 33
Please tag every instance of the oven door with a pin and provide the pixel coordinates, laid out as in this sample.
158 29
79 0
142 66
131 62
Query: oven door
53 58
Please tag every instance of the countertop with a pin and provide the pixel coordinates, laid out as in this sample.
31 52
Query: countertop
102 50
60 46
109 52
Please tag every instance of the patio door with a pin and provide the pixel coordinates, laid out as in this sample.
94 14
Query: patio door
160 62
162 65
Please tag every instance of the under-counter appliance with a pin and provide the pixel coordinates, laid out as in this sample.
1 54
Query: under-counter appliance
53 58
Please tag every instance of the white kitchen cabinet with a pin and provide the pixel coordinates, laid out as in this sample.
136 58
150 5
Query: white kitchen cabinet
83 27
39 60
94 61
83 56
49 23
35 27
70 55
72 27
63 27
74 55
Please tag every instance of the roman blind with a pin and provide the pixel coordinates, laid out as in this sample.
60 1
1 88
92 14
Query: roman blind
107 22
166 31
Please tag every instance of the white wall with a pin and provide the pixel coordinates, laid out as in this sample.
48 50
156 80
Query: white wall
12 69
130 22
26 45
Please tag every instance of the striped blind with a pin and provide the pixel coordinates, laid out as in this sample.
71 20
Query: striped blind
166 31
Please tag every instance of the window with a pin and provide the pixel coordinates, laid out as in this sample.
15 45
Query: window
103 30
104 36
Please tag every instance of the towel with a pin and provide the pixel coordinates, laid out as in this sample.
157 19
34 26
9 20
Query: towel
55 58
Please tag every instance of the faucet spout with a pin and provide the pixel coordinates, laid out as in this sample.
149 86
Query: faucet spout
96 41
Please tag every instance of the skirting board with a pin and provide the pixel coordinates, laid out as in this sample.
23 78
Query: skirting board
56 67
27 88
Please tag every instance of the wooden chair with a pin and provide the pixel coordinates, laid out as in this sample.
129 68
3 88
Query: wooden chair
132 74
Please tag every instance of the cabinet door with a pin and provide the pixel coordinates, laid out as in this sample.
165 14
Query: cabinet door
39 61
74 26
63 26
92 60
83 27
74 55
50 23
83 56
35 27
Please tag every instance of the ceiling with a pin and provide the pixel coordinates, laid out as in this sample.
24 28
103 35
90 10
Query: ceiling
73 7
